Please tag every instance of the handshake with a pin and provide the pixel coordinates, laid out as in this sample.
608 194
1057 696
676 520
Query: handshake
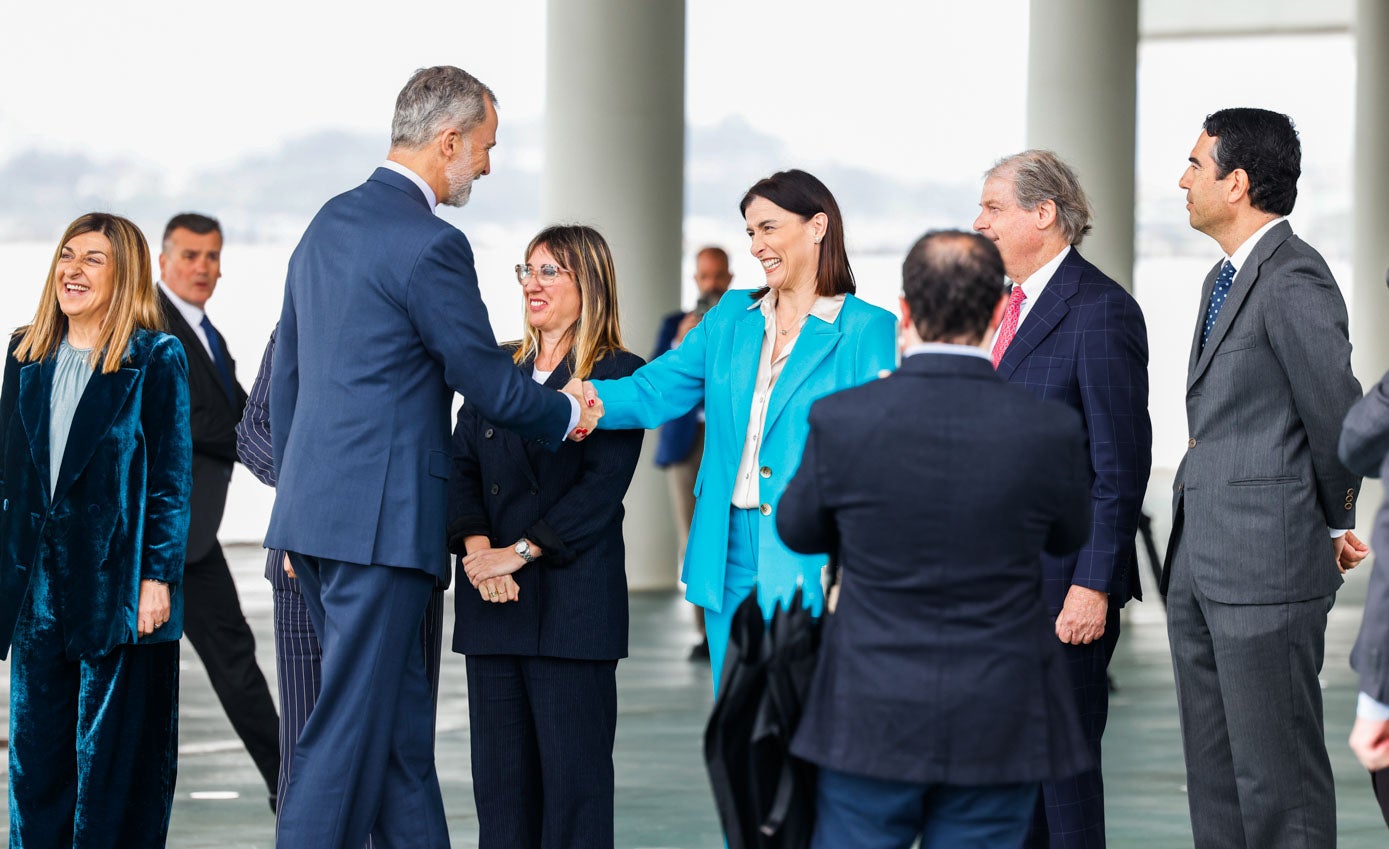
590 408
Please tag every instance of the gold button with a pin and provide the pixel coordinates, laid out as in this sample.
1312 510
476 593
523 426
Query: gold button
1349 493
766 509
1191 443
1350 506
766 471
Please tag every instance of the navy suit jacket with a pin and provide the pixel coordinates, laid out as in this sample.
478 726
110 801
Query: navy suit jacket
119 512
573 598
1084 343
939 664
675 439
382 320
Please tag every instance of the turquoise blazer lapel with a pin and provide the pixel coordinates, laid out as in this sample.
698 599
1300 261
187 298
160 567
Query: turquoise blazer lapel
103 402
740 368
35 388
817 340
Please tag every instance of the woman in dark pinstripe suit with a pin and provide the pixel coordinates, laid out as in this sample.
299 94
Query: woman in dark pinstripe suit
541 535
297 652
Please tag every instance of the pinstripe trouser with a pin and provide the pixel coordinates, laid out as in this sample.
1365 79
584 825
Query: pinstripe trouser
297 656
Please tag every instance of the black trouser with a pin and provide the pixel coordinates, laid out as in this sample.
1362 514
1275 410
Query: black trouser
215 625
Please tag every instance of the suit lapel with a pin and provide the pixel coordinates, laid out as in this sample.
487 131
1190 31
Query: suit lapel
816 340
198 357
1245 278
1206 288
102 403
35 388
742 362
1052 306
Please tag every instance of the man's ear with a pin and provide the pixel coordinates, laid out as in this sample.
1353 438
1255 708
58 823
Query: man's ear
1239 185
1046 214
997 318
906 319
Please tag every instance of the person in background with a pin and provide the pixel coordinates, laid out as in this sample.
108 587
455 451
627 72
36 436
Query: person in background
680 441
757 361
539 537
298 653
1364 449
1262 506
940 699
1071 334
96 453
190 263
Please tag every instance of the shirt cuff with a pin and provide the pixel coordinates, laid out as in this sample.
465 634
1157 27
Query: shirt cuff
575 411
1369 708
1336 533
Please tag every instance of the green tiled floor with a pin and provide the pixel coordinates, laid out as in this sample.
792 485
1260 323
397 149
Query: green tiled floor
662 794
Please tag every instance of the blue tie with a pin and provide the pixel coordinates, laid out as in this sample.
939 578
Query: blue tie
219 358
1218 294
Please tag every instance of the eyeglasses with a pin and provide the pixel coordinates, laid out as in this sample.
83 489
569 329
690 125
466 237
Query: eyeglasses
548 273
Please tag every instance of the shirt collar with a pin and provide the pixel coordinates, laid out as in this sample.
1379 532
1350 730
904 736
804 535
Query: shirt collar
1241 254
826 307
1039 279
191 314
429 195
946 348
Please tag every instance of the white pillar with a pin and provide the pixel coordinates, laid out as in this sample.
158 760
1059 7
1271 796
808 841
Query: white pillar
1368 296
1082 91
615 160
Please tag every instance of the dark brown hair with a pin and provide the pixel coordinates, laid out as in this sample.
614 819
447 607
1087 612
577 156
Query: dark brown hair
801 193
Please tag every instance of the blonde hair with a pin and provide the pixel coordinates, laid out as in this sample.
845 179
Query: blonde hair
583 251
133 304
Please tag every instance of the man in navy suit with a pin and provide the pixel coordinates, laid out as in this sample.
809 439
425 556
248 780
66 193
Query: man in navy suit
680 446
382 320
940 700
1071 334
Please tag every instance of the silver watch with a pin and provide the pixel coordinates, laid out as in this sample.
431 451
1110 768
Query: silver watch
523 548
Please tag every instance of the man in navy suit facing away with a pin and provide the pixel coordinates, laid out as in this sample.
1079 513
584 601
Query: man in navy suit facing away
382 322
940 700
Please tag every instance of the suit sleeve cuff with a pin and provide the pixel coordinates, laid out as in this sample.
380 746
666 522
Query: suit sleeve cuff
575 411
1368 708
462 528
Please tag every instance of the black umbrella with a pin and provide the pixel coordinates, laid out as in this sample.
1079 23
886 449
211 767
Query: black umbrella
765 795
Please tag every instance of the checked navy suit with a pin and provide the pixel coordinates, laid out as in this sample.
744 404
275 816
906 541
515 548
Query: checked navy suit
1084 343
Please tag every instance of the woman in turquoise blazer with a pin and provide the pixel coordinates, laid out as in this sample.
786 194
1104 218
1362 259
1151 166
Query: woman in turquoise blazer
97 458
757 361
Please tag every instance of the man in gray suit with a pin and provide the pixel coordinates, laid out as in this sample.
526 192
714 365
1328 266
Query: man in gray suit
1365 451
1262 506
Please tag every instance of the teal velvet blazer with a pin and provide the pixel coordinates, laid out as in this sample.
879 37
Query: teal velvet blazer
119 512
717 363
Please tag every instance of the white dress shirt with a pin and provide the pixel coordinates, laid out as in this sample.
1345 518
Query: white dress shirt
746 487
429 195
191 314
946 348
1032 287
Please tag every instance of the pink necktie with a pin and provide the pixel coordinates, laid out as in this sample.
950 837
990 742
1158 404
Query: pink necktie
1009 328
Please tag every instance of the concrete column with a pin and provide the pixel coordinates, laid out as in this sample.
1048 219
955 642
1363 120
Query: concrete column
1368 297
1082 91
615 160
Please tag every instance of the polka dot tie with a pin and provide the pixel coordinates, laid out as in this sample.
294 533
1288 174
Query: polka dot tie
1009 328
1218 295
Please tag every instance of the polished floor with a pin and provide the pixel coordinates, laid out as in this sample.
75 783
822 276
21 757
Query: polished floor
662 792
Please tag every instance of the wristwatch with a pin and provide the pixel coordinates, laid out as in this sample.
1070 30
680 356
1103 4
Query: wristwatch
523 548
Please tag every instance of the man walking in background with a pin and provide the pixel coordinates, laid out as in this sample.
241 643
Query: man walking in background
1071 334
190 263
680 445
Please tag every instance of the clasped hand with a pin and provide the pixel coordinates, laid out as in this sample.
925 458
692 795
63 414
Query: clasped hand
154 607
590 408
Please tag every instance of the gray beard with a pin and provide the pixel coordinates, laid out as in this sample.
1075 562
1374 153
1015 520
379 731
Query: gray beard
460 180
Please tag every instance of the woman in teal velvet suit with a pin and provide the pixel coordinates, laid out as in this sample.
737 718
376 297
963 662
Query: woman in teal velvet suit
757 361
96 450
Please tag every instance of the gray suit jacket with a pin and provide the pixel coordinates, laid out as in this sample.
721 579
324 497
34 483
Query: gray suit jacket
1365 450
1261 482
